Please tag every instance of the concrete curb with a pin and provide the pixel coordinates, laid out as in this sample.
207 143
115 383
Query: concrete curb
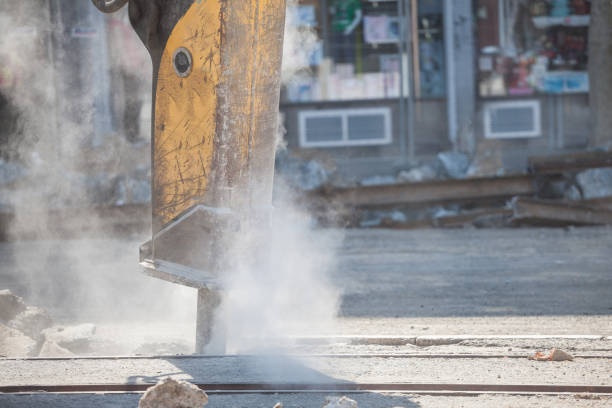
436 340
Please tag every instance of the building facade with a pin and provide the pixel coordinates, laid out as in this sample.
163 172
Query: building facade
392 83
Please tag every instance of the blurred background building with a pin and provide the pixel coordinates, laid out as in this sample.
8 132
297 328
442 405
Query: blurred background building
393 82
391 91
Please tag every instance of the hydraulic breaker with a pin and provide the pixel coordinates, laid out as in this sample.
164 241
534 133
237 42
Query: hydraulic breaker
216 80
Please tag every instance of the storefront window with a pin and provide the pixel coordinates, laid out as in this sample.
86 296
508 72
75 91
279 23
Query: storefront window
358 54
532 47
429 72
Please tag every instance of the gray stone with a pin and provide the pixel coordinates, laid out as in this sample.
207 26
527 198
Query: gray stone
454 164
76 339
313 176
595 183
376 218
303 175
378 181
14 343
418 174
10 305
440 212
32 321
573 193
170 393
51 349
340 402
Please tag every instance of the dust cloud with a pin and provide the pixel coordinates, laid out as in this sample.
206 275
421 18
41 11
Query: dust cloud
72 158
73 155
280 287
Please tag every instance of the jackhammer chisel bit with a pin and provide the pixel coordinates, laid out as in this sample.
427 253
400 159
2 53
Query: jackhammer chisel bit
216 80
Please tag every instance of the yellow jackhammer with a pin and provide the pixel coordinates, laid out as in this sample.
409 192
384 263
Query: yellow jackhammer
216 81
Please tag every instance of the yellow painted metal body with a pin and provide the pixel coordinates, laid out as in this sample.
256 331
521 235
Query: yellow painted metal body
215 129
185 112
214 132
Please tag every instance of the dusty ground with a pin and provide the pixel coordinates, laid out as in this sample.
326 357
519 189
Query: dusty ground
510 281
406 284
315 400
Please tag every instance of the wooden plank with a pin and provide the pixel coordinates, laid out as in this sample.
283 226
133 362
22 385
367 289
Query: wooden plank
572 213
465 190
569 162
600 202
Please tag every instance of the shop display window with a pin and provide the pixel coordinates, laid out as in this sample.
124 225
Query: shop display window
532 47
357 57
428 53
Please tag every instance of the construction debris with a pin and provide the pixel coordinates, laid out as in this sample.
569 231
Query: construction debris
172 393
302 174
339 402
569 162
529 210
555 355
32 321
14 343
455 164
10 305
595 183
466 190
52 349
417 174
75 339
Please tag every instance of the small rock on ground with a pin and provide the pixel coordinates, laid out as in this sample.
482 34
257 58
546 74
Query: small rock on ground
76 339
10 305
51 349
32 321
560 355
14 343
340 402
172 393
555 355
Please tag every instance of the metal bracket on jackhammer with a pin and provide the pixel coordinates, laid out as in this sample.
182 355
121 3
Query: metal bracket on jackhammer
189 250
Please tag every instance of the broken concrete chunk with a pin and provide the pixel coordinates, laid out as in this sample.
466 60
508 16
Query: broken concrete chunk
172 393
555 355
10 305
340 402
51 349
595 183
32 321
76 339
417 174
455 164
560 355
378 181
14 343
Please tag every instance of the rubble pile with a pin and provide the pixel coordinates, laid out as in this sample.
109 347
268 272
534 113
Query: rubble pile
29 331
446 192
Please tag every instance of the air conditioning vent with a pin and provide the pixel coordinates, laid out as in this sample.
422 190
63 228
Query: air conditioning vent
345 127
512 119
